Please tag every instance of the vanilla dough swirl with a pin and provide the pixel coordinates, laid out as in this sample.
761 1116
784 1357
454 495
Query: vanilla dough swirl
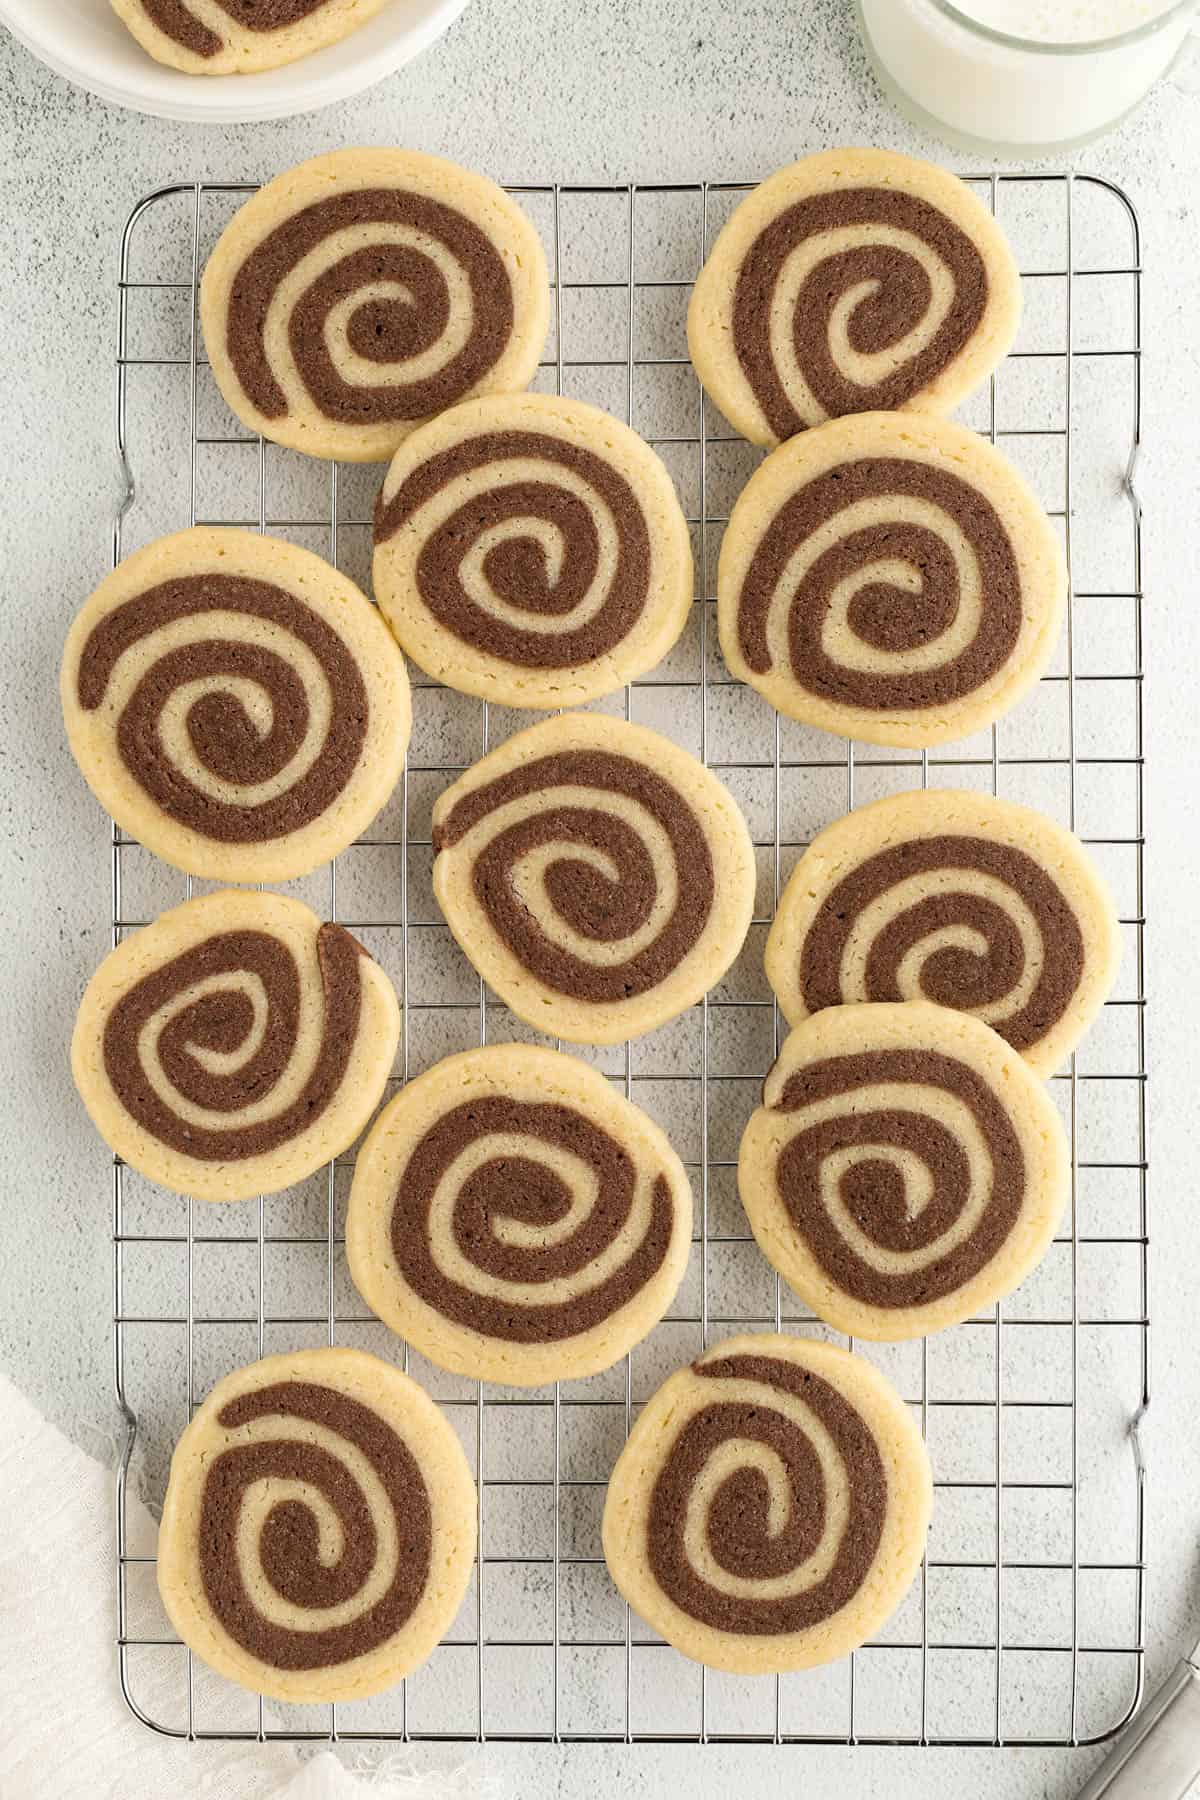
234 1045
531 550
891 579
210 671
905 1168
226 37
318 1527
854 281
744 1540
366 291
959 898
592 871
876 289
770 1507
186 27
371 1518
236 704
855 1138
216 1031
886 614
602 905
515 1219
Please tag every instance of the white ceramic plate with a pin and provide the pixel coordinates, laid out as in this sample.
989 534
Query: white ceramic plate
86 42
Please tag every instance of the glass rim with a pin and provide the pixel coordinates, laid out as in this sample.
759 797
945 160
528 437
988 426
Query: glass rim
1080 47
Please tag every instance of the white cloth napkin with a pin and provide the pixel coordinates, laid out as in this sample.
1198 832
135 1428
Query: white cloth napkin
65 1730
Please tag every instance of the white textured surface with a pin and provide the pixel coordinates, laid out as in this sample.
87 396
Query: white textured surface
527 93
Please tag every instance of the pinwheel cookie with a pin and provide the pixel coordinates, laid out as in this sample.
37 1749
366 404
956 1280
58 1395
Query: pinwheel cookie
319 1527
770 1508
240 37
599 878
235 1045
516 1219
531 550
854 281
954 897
365 291
890 578
236 704
905 1169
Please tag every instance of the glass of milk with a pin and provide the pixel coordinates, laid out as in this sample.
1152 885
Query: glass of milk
1024 77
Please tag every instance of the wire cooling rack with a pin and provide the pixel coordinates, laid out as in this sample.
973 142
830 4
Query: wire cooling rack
1027 1623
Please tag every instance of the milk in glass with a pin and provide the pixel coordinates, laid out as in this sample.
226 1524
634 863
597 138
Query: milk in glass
1072 69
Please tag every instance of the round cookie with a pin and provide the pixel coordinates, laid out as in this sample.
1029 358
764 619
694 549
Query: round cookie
531 550
516 1219
853 281
769 1511
599 878
361 293
319 1527
236 704
235 1045
240 37
891 579
905 1170
954 897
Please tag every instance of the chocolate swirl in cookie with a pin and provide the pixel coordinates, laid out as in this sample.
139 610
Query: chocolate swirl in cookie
536 549
884 583
856 299
745 1532
591 869
249 717
394 306
971 924
315 1538
176 19
527 1221
901 1172
215 1053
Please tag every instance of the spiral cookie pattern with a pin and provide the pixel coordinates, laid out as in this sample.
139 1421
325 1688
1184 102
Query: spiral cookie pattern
531 550
890 579
236 704
231 37
971 902
905 1169
363 292
599 878
318 1529
235 1045
770 1508
854 281
517 1220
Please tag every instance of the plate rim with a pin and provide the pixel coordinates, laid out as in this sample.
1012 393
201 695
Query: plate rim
308 96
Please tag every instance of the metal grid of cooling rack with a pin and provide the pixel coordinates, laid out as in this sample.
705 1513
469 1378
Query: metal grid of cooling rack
1027 1624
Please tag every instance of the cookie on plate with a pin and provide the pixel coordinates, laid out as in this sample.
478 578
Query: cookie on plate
954 897
854 281
516 1219
599 878
905 1170
890 578
240 37
236 704
531 550
235 1045
319 1527
769 1511
363 292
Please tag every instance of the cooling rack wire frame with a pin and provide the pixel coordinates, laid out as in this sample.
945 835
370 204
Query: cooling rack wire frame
1027 1622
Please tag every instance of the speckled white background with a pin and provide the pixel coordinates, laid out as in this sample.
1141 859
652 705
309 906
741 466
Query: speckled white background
529 92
